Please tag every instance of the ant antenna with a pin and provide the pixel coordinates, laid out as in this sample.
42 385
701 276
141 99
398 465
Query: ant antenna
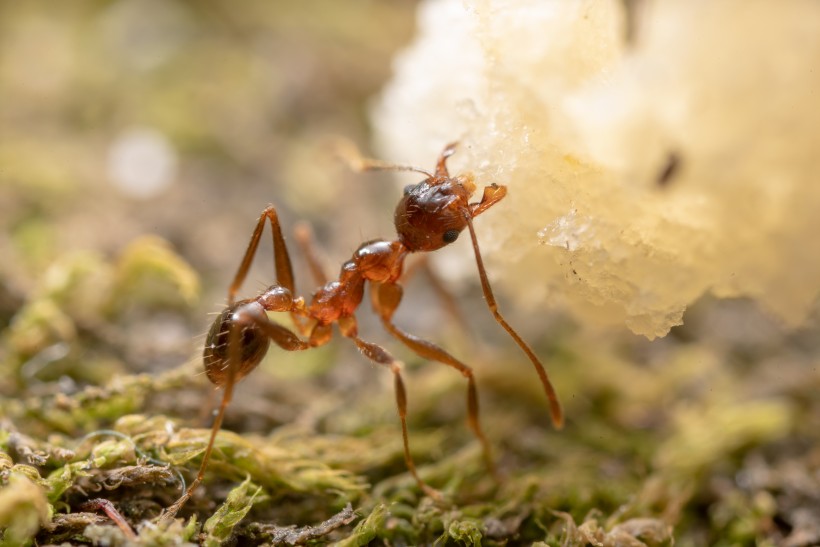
349 153
556 413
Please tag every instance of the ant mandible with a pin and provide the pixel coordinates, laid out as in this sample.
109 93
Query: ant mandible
429 216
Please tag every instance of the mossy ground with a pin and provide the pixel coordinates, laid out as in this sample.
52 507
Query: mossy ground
678 439
708 436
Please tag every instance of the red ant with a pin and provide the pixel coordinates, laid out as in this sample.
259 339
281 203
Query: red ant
429 216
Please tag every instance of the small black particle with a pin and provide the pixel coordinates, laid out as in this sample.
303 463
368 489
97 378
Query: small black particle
669 170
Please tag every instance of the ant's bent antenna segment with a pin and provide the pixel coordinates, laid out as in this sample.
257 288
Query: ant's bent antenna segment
356 162
555 406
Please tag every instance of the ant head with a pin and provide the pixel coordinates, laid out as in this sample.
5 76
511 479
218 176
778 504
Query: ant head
432 213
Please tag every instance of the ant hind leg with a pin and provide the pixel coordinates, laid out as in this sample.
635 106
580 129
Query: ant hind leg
234 369
386 298
227 394
282 265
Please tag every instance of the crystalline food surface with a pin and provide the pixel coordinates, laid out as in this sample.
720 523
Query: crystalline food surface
643 172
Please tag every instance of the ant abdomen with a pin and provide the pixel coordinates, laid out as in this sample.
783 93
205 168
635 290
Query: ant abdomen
252 343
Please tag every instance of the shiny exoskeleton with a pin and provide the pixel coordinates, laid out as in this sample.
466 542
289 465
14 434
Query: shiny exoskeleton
429 216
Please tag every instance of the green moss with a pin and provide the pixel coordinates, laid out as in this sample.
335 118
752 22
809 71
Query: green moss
372 527
24 509
219 528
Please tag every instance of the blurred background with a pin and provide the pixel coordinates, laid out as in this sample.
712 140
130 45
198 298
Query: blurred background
184 120
124 120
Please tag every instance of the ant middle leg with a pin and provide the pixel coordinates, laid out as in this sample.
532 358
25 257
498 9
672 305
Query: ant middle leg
381 356
386 298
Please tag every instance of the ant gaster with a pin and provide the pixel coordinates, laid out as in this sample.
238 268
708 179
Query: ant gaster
429 216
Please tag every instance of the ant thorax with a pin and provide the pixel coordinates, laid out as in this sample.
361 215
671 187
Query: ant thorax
378 261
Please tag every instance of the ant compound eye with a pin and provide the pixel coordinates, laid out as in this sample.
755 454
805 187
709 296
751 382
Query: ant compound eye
450 236
408 189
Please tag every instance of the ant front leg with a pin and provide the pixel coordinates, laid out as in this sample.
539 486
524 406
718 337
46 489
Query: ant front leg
386 298
382 357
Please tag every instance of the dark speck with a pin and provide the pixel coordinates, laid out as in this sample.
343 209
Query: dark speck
670 169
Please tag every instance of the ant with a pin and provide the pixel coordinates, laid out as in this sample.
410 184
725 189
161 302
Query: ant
429 216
